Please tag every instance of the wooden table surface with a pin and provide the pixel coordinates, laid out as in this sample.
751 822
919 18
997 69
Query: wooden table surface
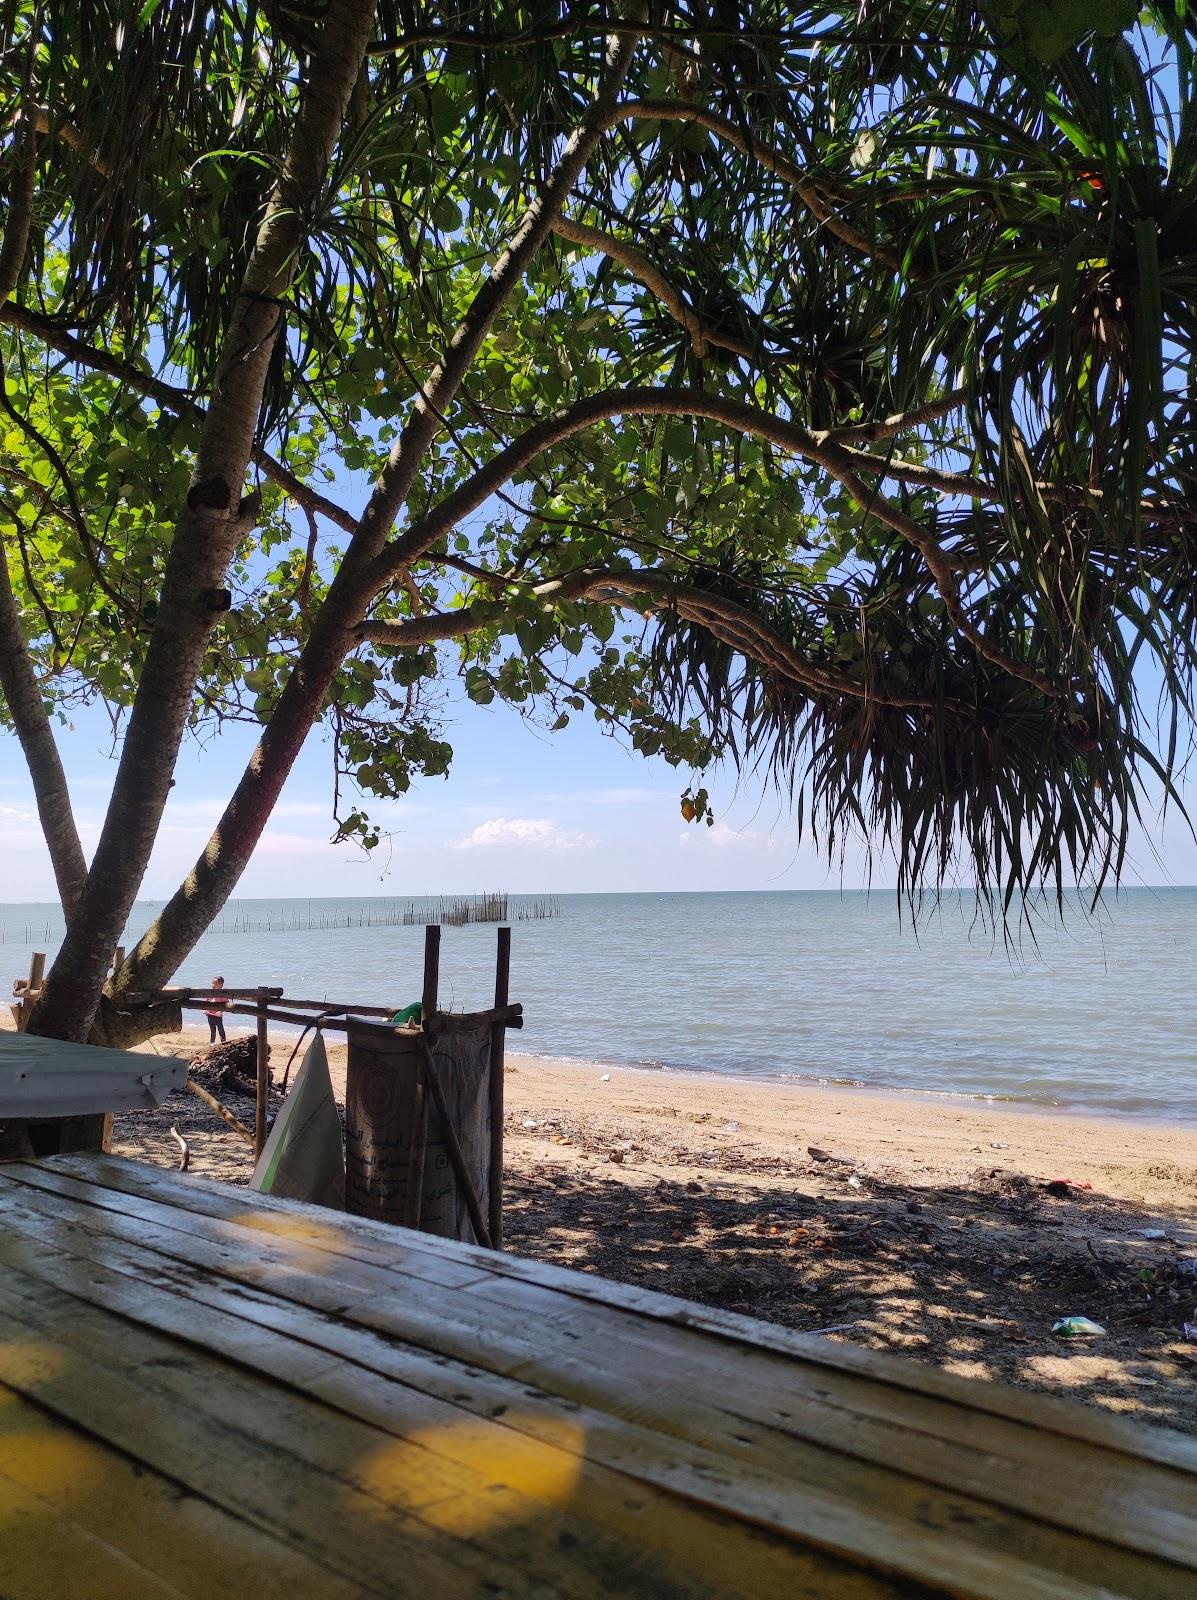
204 1392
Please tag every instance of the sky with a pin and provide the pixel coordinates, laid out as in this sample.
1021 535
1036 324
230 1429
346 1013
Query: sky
521 810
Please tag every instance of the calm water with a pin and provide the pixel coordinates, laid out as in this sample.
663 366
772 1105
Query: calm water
808 985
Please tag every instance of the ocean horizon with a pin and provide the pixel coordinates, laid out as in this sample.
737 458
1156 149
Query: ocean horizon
1094 1014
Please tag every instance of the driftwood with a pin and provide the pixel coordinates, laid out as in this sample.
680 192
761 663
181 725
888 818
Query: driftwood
234 1064
184 1148
214 1104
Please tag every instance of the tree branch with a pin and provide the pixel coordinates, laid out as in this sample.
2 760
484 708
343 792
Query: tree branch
640 266
44 122
213 519
809 190
20 208
177 401
218 869
833 458
899 422
915 472
427 414
726 619
23 696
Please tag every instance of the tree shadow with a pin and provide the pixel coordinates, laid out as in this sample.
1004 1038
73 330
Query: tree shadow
969 1277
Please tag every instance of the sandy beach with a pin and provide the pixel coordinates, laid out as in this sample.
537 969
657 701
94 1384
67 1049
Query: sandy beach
904 1223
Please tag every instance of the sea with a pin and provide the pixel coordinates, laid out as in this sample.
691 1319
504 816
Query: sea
1095 1011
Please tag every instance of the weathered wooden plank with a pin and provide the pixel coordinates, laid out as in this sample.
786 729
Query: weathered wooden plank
652 1376
53 1351
538 1519
899 1535
688 1417
78 1519
381 1244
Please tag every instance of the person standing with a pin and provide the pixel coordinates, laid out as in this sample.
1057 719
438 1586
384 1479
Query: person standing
214 1011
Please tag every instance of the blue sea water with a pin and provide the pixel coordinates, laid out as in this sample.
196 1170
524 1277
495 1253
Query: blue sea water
1098 1014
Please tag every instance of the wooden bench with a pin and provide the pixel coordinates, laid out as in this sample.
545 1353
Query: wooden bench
207 1393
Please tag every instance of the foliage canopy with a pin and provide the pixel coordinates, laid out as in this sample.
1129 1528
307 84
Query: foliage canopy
851 360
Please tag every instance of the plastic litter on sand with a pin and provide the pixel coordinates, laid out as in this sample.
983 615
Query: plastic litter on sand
1078 1328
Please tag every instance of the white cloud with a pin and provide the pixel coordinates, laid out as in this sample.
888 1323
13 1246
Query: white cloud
537 833
721 837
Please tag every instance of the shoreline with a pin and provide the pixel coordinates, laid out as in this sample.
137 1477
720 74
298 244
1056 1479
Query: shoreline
938 1130
194 1037
853 1086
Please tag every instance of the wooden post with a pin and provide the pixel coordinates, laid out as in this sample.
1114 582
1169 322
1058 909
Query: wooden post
498 1037
432 975
263 1100
414 1201
33 985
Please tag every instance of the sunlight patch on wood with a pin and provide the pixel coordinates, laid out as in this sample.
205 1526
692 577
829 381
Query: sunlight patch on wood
514 1468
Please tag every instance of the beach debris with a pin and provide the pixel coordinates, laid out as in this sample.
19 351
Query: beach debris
694 1188
232 1066
814 1152
1189 1329
616 1156
1063 1187
528 1122
731 1127
605 1077
1151 1233
914 1206
184 1148
995 1144
854 1182
1078 1328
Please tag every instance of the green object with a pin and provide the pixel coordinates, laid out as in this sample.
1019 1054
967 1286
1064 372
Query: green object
408 1014
1078 1328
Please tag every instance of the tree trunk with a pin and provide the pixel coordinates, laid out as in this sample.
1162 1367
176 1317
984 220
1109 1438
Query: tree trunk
212 879
363 573
18 684
213 520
